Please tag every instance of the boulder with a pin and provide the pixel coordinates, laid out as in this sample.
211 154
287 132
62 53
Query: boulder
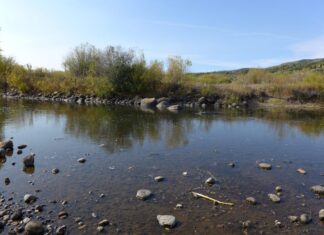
34 228
148 102
8 144
166 221
29 160
162 105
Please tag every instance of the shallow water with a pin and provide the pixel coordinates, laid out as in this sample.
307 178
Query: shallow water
125 148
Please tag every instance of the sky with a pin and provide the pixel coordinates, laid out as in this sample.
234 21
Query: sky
214 35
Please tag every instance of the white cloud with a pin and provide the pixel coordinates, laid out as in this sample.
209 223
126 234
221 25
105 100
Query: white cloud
313 48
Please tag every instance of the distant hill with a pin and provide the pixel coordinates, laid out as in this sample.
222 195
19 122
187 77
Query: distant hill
316 65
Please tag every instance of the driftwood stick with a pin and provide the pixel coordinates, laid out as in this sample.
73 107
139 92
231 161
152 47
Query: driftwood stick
216 202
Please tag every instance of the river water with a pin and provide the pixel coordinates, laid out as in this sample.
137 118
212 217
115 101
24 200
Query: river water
126 148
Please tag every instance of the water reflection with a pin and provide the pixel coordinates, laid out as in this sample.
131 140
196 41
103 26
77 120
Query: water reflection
120 127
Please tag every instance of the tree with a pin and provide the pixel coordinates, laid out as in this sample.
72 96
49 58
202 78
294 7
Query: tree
177 68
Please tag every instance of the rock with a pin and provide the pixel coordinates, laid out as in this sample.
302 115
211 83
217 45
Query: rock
166 221
17 215
278 223
143 194
61 230
29 160
7 181
148 102
19 151
159 178
274 198
251 200
22 146
8 144
175 107
100 229
265 166
63 215
2 153
102 195
29 199
246 224
185 173
34 228
305 219
293 218
103 223
201 100
179 206
82 160
318 189
26 220
321 215
278 189
162 105
231 164
301 171
210 181
55 171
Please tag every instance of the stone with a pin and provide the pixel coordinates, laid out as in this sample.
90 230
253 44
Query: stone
162 105
29 199
143 194
166 221
210 181
103 223
278 189
29 160
17 215
185 173
321 215
55 171
179 206
305 219
82 160
246 224
2 153
301 171
19 151
231 164
265 166
63 215
159 178
251 200
274 198
318 189
175 107
7 181
293 218
148 102
8 144
278 223
61 230
100 229
22 146
34 228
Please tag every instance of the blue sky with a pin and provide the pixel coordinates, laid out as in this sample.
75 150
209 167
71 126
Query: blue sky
215 35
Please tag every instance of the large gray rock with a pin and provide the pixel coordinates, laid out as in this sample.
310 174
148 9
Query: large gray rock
318 189
162 105
166 221
274 198
175 107
34 228
8 144
29 160
143 194
148 102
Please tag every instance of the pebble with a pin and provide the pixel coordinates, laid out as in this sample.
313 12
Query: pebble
103 223
231 164
22 146
305 219
34 228
278 223
61 230
102 195
278 189
63 215
246 224
210 181
19 151
159 178
274 198
293 218
166 221
82 160
100 229
185 173
251 200
318 189
7 181
55 171
94 215
179 206
301 171
143 194
29 160
321 215
265 166
28 198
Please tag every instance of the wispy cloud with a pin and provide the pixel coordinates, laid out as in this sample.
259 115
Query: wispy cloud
223 30
313 48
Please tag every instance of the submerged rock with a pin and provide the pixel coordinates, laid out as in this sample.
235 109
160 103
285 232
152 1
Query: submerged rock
34 228
318 189
29 160
143 194
82 160
305 219
159 178
301 171
166 221
265 166
55 171
22 146
274 198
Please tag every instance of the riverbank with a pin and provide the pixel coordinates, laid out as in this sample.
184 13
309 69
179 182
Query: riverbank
174 103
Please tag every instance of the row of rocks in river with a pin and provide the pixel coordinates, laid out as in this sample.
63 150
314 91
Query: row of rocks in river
162 103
